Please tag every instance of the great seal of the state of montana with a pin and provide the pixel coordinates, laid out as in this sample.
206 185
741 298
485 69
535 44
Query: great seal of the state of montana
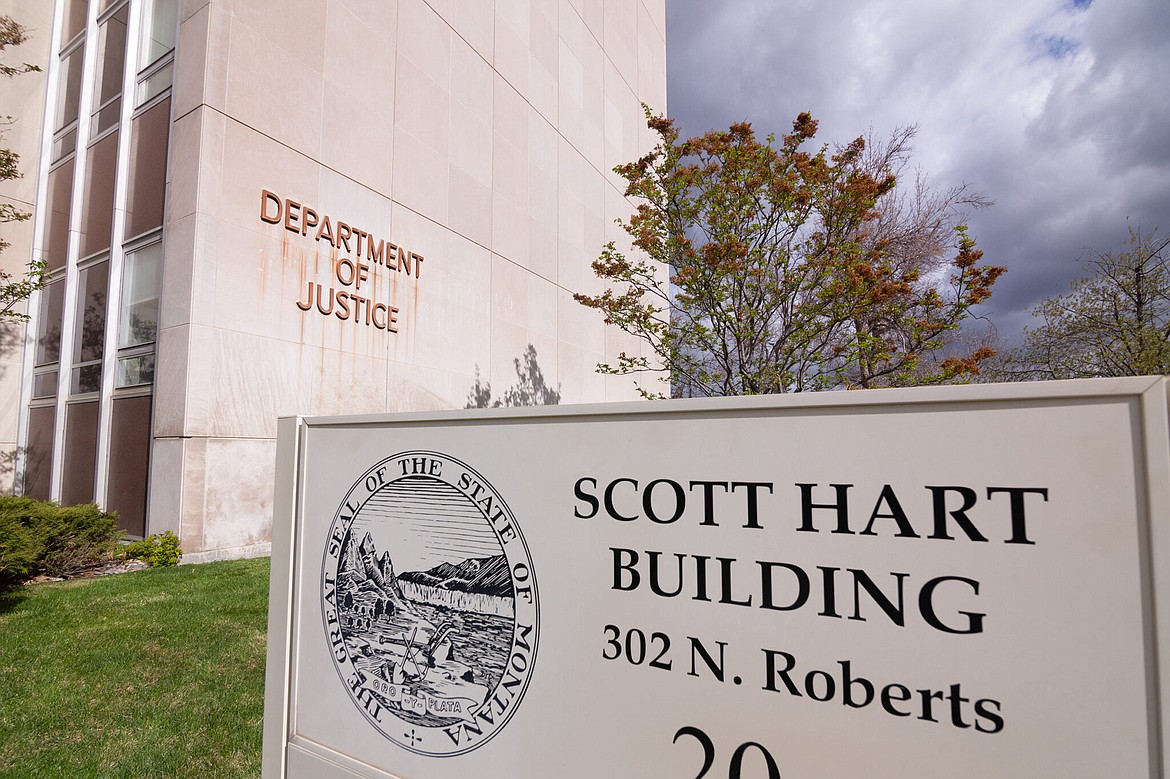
429 603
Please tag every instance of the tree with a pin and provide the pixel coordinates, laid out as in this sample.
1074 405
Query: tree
764 268
1114 322
13 291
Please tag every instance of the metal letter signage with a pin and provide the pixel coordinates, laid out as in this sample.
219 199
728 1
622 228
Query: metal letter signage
956 581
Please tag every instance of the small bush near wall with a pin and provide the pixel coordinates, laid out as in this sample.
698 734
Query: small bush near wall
38 537
156 550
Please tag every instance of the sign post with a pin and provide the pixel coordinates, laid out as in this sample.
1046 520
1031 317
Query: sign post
959 581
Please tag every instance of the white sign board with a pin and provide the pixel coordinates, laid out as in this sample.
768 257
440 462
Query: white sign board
959 582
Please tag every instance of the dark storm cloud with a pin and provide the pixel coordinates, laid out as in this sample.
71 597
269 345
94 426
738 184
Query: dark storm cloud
1058 111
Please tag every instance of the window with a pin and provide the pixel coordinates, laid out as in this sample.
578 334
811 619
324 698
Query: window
148 169
90 335
101 169
160 28
39 452
75 13
48 343
107 97
138 322
81 434
130 462
69 88
57 198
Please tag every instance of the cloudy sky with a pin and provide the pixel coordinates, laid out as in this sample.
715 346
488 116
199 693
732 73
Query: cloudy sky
1057 111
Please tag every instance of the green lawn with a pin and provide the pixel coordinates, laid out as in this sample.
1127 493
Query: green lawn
155 673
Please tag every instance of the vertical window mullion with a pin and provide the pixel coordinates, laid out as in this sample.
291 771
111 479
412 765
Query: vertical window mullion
76 215
117 255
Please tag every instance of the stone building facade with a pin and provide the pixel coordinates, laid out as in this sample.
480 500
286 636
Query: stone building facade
261 208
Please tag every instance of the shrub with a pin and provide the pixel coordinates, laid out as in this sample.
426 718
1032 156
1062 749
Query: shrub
64 540
19 550
156 550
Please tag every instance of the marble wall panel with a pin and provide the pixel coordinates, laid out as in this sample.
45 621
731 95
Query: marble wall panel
571 171
190 265
651 84
581 85
471 208
270 88
359 97
471 116
169 482
7 468
510 164
445 312
188 8
621 38
425 39
543 56
378 15
571 95
542 163
196 384
359 140
359 55
474 85
165 498
186 149
656 12
512 36
191 68
579 325
509 204
543 249
247 383
175 291
472 22
542 307
219 49
624 119
422 106
421 177
420 388
238 492
346 383
357 204
255 162
510 119
259 281
509 292
593 14
296 26
170 387
580 381
214 136
192 495
509 344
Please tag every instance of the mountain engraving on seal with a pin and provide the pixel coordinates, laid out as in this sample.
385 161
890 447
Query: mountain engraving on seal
421 608
413 629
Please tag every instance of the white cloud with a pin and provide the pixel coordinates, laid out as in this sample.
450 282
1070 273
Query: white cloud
1059 111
